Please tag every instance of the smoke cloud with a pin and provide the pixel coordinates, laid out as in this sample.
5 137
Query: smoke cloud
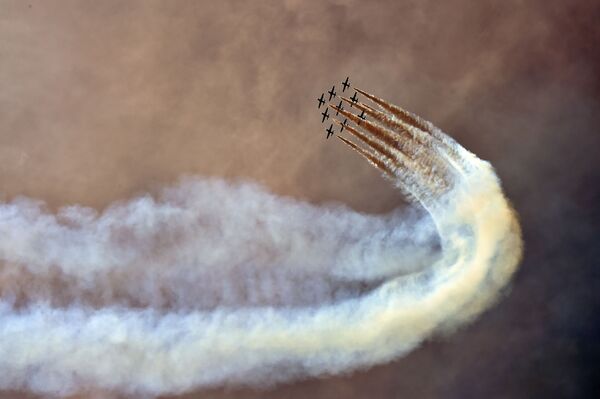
215 282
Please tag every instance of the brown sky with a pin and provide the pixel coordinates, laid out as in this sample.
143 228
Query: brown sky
100 100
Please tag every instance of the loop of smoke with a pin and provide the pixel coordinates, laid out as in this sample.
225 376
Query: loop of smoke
216 283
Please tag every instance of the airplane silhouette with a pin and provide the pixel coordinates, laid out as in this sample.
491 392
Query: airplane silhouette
321 100
329 130
362 116
332 93
354 98
344 123
345 84
325 115
339 108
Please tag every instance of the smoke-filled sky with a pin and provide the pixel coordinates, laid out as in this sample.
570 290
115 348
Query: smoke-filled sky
102 101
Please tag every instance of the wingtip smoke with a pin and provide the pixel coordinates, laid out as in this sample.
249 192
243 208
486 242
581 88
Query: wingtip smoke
215 283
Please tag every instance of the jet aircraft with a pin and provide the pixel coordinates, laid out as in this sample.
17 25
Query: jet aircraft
343 124
329 130
332 93
354 98
321 100
345 84
325 115
362 116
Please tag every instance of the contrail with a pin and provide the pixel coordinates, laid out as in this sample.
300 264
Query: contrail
213 283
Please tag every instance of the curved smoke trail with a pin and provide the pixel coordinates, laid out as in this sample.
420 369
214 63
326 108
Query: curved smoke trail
216 283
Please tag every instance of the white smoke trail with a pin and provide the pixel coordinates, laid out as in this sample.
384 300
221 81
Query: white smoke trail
215 282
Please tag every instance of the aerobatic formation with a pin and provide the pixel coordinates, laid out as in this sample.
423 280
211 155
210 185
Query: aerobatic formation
214 283
351 101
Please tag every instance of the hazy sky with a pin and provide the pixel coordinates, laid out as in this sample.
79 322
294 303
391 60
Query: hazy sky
103 100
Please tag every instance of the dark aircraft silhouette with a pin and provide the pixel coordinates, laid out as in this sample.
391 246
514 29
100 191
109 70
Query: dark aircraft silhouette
345 84
339 108
354 98
325 115
321 100
329 130
362 116
332 93
343 124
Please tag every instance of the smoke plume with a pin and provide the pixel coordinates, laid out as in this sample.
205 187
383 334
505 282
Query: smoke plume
215 282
